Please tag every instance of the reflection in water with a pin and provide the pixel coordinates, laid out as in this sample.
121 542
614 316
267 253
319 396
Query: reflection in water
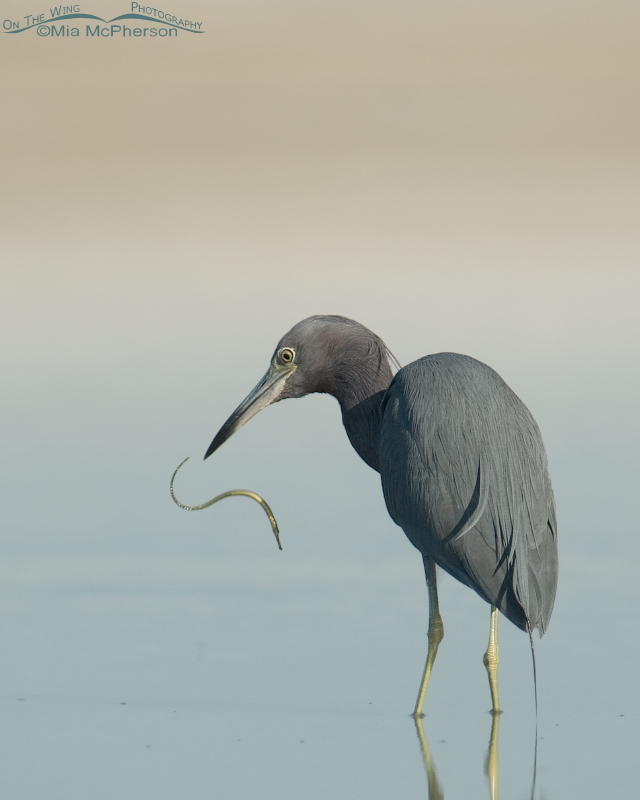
435 791
492 766
491 763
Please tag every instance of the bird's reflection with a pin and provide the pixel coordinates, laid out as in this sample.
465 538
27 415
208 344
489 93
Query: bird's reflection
492 767
492 764
435 790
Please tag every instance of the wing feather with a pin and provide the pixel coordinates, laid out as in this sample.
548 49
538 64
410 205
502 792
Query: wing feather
464 473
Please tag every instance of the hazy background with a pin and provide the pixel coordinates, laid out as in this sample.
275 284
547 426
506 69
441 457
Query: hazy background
454 177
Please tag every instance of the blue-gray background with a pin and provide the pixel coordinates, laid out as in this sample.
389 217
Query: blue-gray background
455 178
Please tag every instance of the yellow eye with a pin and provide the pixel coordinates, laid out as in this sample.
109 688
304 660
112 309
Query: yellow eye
287 355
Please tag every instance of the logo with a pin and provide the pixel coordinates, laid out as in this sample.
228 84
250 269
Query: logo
63 22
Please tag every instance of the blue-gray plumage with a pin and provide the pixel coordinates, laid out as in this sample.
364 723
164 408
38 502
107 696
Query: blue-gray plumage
464 474
462 463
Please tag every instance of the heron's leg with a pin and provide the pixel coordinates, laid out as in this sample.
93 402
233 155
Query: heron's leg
436 631
491 660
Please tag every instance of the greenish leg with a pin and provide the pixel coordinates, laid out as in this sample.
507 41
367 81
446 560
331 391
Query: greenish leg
492 766
433 786
436 632
491 660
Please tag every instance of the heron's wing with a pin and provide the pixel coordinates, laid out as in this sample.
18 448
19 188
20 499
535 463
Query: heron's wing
464 473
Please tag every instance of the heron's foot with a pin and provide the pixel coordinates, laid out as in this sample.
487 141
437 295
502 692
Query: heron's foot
417 715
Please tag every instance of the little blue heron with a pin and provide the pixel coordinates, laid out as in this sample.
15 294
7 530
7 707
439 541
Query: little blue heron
463 467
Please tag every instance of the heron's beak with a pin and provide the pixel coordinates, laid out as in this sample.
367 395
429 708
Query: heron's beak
267 391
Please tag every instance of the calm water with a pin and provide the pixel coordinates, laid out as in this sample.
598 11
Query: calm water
148 652
279 693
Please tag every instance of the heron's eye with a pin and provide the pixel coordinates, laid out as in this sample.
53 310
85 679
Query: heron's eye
287 355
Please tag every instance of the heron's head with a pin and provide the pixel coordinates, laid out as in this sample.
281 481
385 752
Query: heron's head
320 354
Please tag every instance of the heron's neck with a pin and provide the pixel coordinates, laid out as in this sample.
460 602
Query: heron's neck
360 402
